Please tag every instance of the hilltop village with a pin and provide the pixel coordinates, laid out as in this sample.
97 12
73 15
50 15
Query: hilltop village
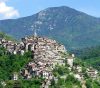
46 55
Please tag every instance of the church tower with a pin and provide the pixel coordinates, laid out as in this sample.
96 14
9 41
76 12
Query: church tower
35 33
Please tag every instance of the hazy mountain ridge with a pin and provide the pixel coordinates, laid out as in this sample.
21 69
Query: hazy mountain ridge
72 28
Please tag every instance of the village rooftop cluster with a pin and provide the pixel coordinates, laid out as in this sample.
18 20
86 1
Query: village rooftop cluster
46 55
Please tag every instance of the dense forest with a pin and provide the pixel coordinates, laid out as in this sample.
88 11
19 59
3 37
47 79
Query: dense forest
90 55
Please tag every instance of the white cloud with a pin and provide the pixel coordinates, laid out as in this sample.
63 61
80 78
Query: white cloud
7 12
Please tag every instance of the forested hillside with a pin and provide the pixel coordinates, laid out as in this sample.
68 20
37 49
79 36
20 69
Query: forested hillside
90 55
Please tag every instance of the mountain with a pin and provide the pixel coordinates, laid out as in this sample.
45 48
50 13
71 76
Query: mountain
66 25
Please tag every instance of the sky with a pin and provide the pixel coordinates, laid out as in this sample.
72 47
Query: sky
11 9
